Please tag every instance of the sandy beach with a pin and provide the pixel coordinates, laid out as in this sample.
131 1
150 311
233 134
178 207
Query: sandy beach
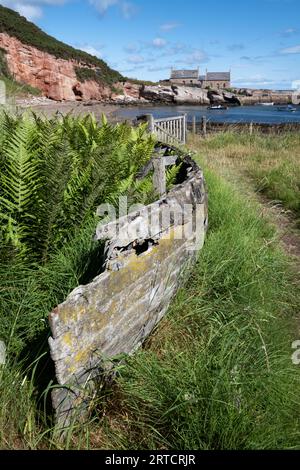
49 108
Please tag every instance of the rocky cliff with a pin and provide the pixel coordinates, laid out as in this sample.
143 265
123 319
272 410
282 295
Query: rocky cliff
55 77
61 72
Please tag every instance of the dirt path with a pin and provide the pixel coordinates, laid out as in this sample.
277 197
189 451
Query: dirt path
288 232
274 211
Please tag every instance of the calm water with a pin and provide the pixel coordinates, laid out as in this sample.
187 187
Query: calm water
257 114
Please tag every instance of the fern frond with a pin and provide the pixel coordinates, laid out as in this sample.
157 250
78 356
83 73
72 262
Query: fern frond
171 175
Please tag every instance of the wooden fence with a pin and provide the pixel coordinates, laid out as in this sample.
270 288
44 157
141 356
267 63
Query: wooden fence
206 126
170 131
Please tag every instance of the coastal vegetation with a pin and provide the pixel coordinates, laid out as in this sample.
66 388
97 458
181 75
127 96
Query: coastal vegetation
270 163
4 72
53 175
135 81
13 88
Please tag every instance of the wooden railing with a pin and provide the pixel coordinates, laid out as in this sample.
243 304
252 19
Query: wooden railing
171 130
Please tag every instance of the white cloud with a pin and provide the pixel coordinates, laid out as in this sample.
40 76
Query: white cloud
102 6
169 26
159 68
31 12
31 9
136 59
196 57
128 10
159 43
91 50
236 47
259 81
291 50
132 48
290 31
132 69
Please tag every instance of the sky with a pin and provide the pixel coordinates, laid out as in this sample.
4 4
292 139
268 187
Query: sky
258 40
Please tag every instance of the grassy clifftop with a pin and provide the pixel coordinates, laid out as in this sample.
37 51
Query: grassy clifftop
17 26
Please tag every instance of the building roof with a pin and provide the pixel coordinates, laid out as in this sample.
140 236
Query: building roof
222 76
185 74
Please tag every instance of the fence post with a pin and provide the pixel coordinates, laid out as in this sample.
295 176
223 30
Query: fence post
194 125
150 120
251 128
204 126
159 176
184 124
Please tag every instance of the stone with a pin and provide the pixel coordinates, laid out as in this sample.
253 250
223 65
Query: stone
190 95
161 94
222 97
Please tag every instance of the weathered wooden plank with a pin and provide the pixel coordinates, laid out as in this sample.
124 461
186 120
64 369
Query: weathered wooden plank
194 125
204 126
150 121
184 129
159 176
170 160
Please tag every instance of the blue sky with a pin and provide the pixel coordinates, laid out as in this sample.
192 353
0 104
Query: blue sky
259 40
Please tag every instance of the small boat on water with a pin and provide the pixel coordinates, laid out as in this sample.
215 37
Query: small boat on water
267 104
290 108
217 106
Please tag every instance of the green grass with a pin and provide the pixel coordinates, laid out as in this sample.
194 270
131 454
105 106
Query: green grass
13 89
272 162
18 90
217 374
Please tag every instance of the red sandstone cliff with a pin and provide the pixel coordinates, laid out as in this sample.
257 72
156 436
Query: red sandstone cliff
56 78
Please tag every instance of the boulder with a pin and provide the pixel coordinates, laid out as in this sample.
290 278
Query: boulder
223 97
231 98
158 94
125 99
131 89
190 95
